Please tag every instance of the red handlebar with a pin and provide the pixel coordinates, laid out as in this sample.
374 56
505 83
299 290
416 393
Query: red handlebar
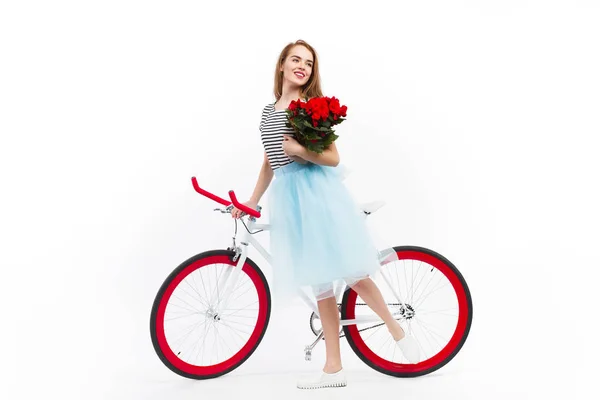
208 194
242 207
234 200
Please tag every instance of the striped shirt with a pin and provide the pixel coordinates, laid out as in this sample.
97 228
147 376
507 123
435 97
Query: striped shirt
272 128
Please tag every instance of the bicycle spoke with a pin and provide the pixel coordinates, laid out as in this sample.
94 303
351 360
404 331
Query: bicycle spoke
389 283
242 316
196 344
215 331
185 308
239 309
188 333
372 333
204 303
433 291
183 301
202 280
399 289
180 316
235 339
204 341
243 293
442 311
216 289
412 280
225 343
431 278
235 330
428 327
242 283
405 280
418 284
421 313
239 323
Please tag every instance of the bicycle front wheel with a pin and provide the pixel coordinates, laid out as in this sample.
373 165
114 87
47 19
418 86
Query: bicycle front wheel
429 297
191 334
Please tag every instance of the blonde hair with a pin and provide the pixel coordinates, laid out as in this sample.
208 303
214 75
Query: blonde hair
312 88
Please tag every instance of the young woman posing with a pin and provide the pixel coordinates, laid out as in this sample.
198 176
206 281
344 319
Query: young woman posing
318 235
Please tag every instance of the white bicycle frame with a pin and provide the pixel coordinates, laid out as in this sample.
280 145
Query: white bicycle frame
230 277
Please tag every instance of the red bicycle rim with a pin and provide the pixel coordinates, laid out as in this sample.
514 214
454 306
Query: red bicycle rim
235 358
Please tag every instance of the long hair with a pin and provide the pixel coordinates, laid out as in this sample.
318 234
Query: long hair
312 88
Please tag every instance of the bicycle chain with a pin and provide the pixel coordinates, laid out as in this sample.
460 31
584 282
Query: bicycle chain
374 326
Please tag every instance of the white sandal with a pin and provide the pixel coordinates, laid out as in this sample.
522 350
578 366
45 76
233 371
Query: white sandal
324 380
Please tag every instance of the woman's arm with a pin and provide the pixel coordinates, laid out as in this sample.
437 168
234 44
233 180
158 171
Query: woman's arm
298 159
329 157
264 180
265 176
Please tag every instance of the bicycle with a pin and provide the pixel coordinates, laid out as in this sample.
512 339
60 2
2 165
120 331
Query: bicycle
237 309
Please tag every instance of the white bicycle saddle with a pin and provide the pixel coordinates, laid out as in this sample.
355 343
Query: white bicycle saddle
372 206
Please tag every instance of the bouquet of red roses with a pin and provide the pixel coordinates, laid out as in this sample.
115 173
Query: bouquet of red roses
313 120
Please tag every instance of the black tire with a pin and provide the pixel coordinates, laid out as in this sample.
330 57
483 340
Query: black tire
249 267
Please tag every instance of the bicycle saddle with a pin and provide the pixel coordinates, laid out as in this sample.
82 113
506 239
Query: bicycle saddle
372 206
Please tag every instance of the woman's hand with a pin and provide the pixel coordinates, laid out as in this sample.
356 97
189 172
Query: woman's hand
292 148
237 213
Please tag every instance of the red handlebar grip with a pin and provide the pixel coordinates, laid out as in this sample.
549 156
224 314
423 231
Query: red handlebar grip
242 207
208 194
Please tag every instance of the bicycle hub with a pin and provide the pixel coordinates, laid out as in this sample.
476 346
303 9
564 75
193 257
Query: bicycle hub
406 312
213 315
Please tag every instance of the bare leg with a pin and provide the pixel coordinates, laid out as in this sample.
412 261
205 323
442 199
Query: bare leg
330 320
369 292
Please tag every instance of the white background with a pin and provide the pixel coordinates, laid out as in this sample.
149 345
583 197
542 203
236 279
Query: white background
476 121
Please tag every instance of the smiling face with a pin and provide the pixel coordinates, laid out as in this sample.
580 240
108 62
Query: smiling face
297 67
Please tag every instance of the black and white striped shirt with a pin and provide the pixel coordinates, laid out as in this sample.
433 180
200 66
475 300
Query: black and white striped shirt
272 128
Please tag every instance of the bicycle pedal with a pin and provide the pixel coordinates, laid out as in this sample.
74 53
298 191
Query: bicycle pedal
307 353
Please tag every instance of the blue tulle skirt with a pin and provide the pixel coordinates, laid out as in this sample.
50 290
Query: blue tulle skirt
319 236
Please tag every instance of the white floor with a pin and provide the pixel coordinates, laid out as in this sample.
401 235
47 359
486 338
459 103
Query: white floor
363 383
525 365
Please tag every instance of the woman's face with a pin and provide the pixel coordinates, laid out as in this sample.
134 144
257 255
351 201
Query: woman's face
297 67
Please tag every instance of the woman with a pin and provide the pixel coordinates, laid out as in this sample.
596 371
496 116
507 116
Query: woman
318 235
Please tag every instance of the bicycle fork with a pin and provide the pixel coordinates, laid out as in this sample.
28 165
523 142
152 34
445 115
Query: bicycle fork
231 275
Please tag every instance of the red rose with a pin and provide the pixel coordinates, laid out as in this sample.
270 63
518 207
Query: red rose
319 108
343 111
336 109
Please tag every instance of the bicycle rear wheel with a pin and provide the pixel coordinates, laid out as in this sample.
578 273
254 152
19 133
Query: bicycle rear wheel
437 311
191 336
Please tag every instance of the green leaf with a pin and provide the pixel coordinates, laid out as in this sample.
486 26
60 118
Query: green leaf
307 124
329 139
